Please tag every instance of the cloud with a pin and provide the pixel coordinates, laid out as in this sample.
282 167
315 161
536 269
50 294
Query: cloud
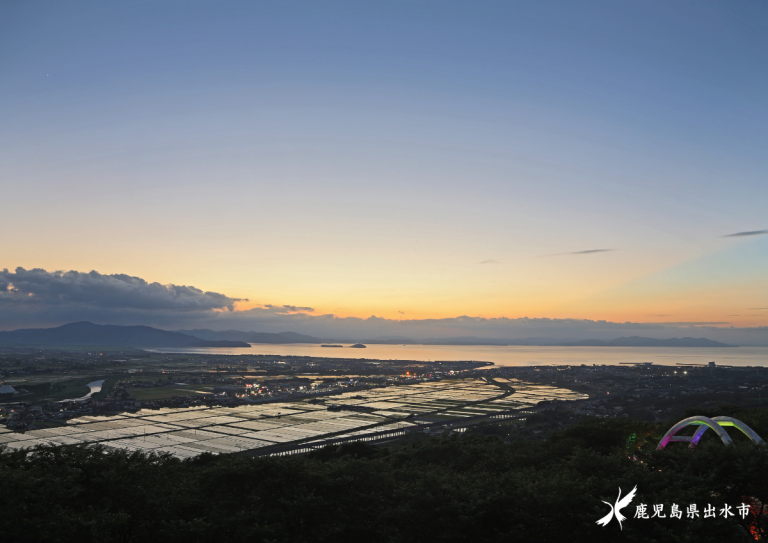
696 323
500 329
587 252
744 234
757 308
490 262
287 309
590 251
37 297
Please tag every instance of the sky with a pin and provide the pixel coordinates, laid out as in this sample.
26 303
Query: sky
223 163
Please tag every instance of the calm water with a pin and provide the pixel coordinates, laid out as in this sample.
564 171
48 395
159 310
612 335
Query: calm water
95 387
511 355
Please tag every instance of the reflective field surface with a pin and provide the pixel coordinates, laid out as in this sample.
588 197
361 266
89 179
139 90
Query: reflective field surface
188 432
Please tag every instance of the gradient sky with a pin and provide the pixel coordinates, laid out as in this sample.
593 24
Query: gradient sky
408 160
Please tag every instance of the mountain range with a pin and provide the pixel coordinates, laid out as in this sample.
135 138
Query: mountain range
636 341
90 334
250 337
292 337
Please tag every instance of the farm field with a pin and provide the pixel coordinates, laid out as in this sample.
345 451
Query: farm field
188 432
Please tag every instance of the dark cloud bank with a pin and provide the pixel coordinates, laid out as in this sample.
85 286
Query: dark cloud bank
38 298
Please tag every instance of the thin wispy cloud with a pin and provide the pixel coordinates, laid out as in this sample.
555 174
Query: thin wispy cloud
757 308
745 234
288 308
490 262
586 252
694 323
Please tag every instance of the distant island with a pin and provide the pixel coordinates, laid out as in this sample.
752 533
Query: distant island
331 345
357 346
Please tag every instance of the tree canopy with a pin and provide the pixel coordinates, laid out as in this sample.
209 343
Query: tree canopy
447 489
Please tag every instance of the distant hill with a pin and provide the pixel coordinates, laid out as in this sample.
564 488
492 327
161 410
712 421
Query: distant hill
636 341
468 340
293 337
90 334
251 337
219 343
390 341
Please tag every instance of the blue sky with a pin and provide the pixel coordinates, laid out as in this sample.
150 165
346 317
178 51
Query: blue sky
366 158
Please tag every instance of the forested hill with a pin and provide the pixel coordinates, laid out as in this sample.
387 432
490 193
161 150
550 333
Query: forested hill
452 489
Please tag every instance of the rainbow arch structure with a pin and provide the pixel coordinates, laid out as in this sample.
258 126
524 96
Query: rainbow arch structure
704 424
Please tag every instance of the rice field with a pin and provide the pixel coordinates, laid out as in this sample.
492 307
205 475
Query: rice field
188 432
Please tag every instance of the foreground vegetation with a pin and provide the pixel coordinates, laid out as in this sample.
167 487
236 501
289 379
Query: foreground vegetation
475 488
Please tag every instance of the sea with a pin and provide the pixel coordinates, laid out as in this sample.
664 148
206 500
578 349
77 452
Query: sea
509 355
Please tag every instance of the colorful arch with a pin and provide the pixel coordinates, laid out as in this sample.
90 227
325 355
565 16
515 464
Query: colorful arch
705 423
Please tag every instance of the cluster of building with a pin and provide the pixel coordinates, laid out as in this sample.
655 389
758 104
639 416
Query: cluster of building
648 391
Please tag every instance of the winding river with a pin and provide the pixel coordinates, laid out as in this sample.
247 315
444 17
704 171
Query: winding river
95 387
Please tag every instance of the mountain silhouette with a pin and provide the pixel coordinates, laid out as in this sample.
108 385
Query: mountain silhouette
251 337
90 334
637 341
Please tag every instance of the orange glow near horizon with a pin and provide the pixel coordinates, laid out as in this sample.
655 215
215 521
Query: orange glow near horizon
704 316
714 280
505 160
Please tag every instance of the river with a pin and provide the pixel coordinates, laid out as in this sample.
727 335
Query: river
95 387
512 355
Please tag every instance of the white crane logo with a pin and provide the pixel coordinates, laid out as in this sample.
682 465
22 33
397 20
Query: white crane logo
621 503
